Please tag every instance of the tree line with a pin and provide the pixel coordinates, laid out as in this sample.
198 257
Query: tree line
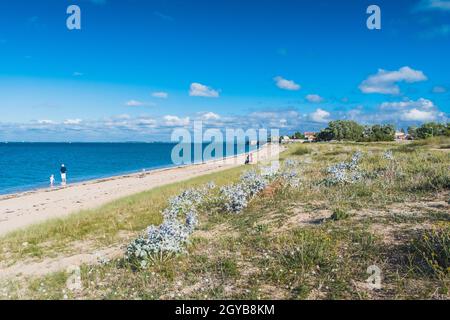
428 130
352 131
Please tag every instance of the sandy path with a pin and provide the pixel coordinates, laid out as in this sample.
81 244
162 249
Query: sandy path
21 210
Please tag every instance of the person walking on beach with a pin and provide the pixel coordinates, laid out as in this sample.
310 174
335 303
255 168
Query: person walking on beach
63 175
52 181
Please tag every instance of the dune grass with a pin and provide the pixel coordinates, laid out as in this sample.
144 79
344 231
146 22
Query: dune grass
312 242
104 226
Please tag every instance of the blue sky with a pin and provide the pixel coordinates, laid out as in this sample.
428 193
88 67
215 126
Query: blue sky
137 69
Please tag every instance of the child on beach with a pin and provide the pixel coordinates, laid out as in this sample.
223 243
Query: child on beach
52 180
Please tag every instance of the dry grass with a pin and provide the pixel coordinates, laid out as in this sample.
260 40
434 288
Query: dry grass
314 242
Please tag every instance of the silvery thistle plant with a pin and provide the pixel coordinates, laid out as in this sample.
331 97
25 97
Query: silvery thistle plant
236 197
180 220
345 172
388 155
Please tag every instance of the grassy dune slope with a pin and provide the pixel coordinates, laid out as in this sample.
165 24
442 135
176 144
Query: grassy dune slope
311 242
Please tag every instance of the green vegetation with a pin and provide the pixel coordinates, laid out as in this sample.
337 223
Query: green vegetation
432 250
429 130
314 241
344 130
106 226
378 133
300 151
339 214
298 135
341 130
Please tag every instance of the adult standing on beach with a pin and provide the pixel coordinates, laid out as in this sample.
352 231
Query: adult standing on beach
63 175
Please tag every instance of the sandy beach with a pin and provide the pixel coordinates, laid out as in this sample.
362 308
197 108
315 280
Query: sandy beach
24 209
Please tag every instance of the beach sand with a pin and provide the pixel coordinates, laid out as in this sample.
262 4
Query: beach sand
23 209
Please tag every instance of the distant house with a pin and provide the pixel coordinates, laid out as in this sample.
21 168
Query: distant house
285 139
310 136
400 136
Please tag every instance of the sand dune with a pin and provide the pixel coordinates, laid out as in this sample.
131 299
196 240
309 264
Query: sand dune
21 210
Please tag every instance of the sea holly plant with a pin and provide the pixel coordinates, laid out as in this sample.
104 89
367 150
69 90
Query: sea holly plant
235 197
171 237
388 155
345 172
181 215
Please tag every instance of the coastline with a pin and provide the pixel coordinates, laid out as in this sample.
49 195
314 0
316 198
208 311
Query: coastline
81 177
22 209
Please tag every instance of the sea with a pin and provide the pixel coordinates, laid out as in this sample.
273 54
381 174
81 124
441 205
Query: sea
28 166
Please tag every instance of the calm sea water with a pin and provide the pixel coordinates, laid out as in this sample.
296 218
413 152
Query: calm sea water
26 166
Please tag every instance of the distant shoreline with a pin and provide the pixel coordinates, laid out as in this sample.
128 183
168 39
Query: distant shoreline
20 210
12 191
113 177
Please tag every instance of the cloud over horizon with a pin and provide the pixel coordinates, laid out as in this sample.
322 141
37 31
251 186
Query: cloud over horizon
443 5
201 90
286 84
386 82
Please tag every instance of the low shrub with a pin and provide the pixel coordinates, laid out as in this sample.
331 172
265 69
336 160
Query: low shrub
432 251
339 214
345 172
300 151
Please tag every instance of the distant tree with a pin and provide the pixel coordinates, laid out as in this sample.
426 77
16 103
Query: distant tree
341 130
298 135
412 131
379 133
352 131
432 129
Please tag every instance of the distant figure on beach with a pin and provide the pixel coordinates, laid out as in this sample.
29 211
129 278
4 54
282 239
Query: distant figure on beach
247 159
52 180
63 175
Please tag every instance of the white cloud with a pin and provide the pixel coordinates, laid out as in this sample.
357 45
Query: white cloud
286 84
136 103
421 104
147 122
418 115
410 110
175 121
77 74
200 90
385 82
123 116
160 95
72 121
439 89
45 121
434 5
210 116
314 98
320 116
